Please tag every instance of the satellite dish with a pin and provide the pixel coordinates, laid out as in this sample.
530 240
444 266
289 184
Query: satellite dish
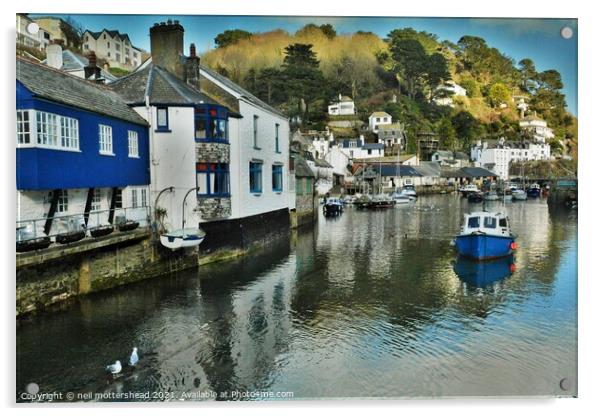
33 28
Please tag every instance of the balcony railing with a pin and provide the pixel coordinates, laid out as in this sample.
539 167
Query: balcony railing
32 229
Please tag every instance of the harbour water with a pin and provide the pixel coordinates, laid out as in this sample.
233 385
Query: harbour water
368 304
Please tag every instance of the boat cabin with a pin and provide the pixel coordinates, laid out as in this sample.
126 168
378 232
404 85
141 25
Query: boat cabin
483 222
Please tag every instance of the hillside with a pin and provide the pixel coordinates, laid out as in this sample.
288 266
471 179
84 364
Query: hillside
301 73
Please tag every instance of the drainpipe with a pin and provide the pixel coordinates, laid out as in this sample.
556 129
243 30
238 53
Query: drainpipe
153 162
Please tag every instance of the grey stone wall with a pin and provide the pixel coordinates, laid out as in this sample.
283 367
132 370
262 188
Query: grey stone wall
213 152
45 284
214 208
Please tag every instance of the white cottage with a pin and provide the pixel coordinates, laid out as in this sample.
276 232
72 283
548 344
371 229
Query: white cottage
344 106
210 135
377 119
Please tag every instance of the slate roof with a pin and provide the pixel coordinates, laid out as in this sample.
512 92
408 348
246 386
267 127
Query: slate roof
112 33
392 126
321 163
375 146
240 90
302 169
75 62
391 170
429 169
477 172
55 85
162 87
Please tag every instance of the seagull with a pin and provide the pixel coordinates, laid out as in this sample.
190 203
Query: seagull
134 357
114 368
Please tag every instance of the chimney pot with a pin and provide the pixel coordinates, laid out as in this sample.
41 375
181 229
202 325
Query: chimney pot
192 50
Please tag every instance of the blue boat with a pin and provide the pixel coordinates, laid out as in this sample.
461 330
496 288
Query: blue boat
484 273
485 236
534 190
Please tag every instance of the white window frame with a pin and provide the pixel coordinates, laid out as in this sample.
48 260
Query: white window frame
105 140
134 198
49 131
96 200
24 129
143 197
63 201
133 150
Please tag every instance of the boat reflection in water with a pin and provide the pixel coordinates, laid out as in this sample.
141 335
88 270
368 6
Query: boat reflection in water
481 274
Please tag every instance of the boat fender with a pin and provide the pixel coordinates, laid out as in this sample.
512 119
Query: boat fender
512 268
513 245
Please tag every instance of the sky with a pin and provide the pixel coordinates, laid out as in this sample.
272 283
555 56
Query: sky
538 39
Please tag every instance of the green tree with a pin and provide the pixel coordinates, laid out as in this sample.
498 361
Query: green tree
468 128
437 72
231 37
409 62
471 87
528 75
447 134
498 94
328 30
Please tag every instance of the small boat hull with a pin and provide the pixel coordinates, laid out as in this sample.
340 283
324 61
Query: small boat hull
182 239
484 247
101 231
332 209
482 274
33 244
128 226
475 197
70 237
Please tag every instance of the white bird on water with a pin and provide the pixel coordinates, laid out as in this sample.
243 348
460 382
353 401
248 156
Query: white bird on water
114 368
134 357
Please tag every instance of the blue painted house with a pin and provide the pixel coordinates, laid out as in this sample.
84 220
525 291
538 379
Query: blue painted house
82 153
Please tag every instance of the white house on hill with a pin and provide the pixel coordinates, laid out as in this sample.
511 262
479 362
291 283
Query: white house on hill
379 118
343 107
451 89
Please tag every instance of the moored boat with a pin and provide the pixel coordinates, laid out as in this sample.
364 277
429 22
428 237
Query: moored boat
410 192
332 206
468 189
186 237
101 230
381 201
70 236
484 236
475 197
534 190
33 244
519 195
128 225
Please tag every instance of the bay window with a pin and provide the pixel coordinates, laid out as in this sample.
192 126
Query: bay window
211 123
213 179
50 130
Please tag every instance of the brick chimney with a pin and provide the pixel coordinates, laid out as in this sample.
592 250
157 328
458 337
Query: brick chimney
191 68
167 45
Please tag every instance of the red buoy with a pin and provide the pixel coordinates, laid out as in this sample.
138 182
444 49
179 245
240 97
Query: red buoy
513 245
512 268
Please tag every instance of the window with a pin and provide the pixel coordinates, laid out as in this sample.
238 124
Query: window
255 121
96 197
104 36
132 143
255 176
117 57
127 51
63 201
473 222
277 138
118 198
47 129
135 54
277 178
108 45
489 222
503 222
143 201
105 139
23 127
299 186
162 119
378 119
86 46
308 187
134 198
213 179
117 47
69 133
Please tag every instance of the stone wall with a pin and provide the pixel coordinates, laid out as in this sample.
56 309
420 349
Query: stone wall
47 281
212 152
214 208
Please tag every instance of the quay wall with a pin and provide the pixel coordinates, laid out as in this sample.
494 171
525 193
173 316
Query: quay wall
47 279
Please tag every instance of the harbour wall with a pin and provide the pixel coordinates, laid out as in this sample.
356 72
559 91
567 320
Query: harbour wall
47 279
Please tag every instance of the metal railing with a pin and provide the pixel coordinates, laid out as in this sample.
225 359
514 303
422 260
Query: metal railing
30 229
